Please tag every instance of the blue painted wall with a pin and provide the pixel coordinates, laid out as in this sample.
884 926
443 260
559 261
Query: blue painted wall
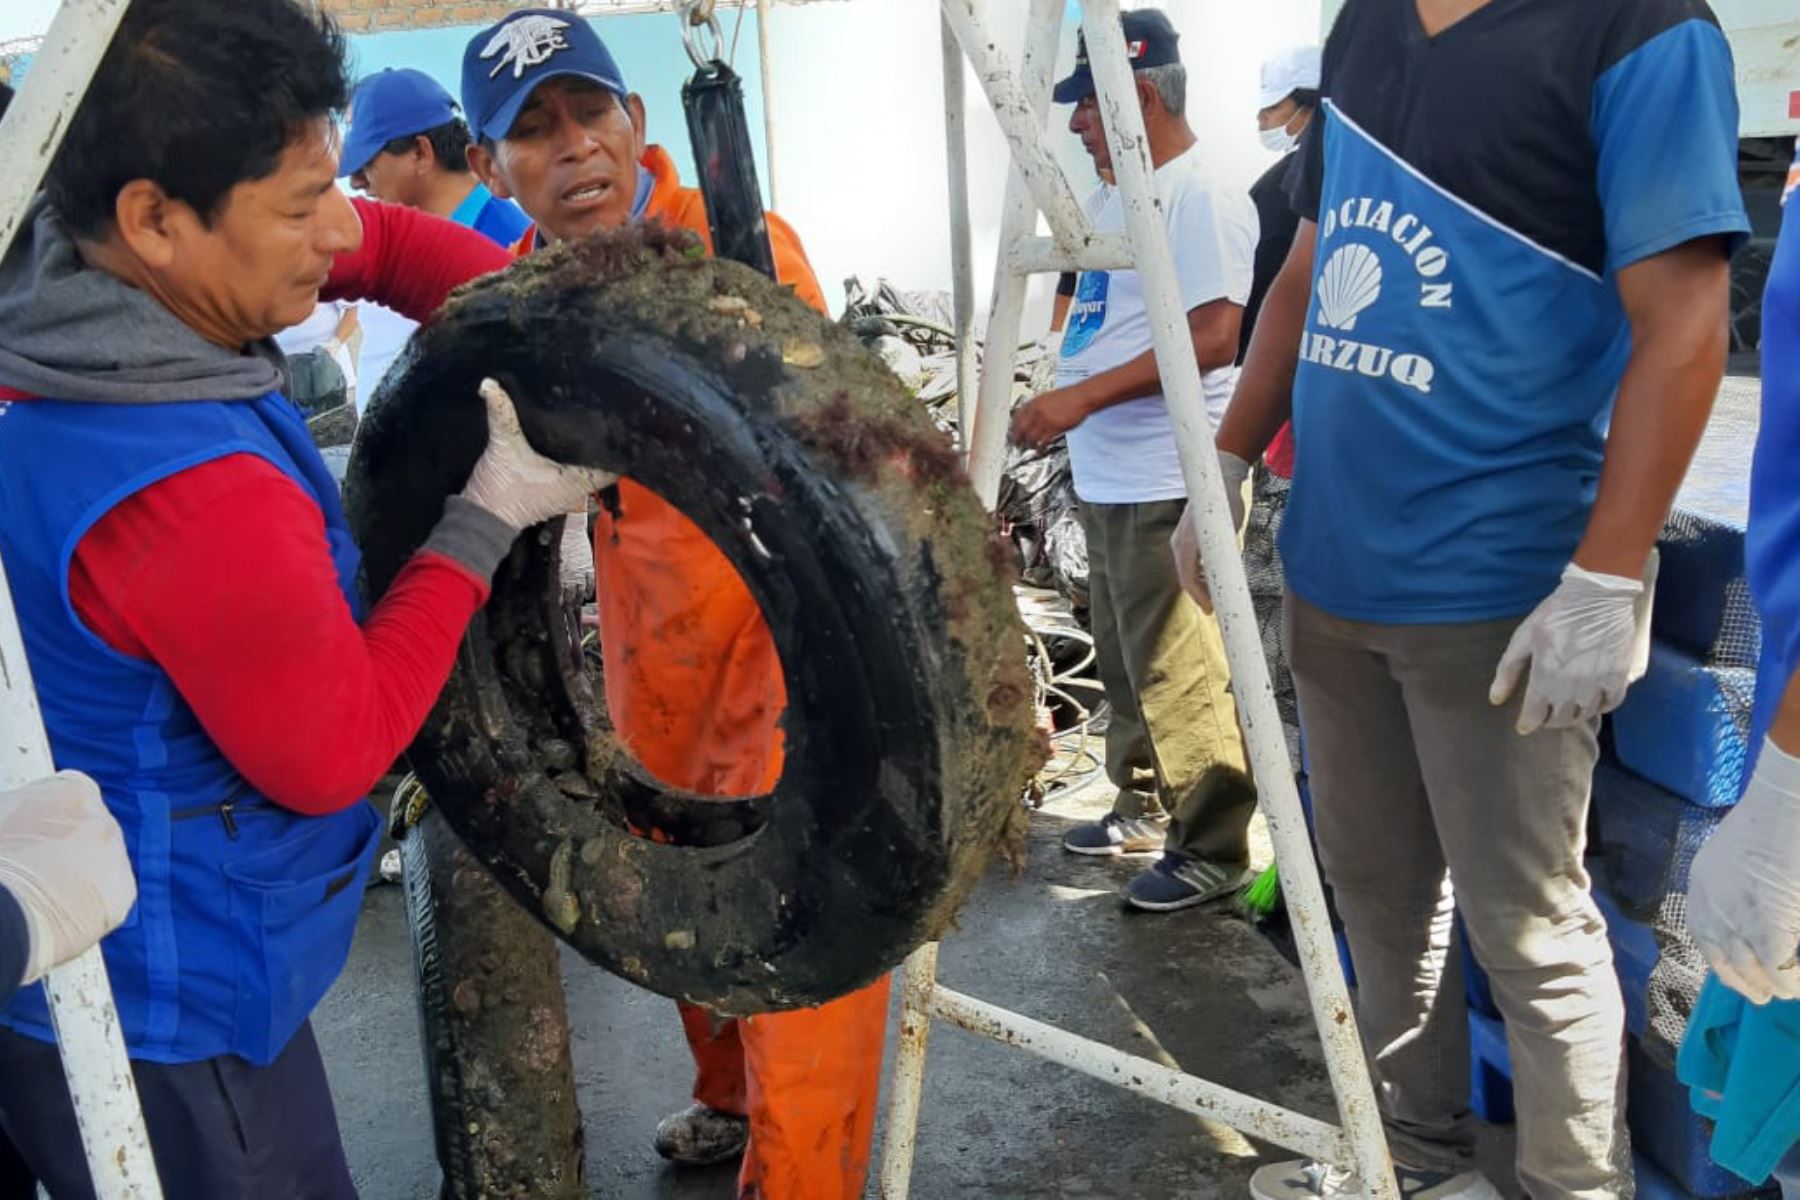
647 48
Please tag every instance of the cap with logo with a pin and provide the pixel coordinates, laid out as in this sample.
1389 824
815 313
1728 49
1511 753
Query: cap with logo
1149 42
388 105
507 61
1287 72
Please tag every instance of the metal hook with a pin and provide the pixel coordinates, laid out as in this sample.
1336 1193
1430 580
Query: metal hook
701 20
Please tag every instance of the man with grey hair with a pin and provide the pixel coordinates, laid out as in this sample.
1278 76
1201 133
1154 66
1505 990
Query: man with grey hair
1172 746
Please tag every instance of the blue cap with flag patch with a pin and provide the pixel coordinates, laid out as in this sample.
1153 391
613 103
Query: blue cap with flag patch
1149 42
506 62
388 105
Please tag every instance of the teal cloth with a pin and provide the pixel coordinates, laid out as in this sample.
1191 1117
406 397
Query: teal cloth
1741 1064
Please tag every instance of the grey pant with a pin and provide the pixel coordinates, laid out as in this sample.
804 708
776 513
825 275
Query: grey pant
1172 744
1418 780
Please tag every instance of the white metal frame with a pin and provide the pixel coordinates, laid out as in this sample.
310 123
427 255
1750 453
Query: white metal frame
1020 98
81 1002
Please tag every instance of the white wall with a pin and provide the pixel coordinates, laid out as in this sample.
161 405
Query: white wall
858 97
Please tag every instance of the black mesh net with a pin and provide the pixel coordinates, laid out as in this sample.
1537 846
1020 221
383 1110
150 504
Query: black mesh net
1262 569
1648 837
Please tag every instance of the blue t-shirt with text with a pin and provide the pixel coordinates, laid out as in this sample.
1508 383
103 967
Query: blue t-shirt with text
1476 195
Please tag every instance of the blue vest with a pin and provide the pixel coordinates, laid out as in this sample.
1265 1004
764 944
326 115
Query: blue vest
1450 405
245 910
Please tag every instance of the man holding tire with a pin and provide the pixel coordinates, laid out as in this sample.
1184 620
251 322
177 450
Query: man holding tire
693 681
184 580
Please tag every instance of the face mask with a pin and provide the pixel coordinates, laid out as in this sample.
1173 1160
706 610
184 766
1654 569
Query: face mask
1277 140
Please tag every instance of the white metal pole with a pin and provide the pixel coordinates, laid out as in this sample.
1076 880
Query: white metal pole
1166 1085
768 91
962 254
987 445
1019 104
1124 124
918 982
81 1003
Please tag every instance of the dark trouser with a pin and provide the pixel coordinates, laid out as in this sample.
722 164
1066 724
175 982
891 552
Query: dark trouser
1173 743
16 1179
220 1129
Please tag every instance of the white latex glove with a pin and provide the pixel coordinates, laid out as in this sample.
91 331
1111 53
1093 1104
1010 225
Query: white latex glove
63 859
1184 544
1744 887
1583 646
577 558
515 482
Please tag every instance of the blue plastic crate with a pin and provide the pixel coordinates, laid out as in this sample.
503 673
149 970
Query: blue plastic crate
1490 1070
1643 839
1635 954
1667 1132
1686 726
1702 597
1654 1184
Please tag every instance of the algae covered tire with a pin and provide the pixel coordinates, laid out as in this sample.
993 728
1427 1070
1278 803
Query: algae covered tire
908 731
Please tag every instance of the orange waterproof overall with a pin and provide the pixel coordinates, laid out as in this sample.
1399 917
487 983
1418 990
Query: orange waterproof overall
697 699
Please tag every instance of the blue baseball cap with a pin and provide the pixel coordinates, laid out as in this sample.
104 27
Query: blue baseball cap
1149 42
507 61
392 104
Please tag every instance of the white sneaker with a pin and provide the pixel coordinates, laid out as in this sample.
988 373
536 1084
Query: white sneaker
1316 1181
1303 1180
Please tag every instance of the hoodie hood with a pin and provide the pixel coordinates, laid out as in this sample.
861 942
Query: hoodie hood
72 332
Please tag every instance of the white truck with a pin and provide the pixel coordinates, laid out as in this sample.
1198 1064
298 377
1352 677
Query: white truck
1765 42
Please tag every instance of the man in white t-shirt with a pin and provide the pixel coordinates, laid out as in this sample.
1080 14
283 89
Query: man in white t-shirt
1172 747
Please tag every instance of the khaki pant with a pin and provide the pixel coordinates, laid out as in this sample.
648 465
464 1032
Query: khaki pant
1173 745
1418 780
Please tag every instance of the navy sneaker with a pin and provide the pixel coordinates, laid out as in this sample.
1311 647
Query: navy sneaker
1113 835
1182 881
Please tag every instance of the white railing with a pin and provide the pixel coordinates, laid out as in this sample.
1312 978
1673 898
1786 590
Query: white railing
1020 96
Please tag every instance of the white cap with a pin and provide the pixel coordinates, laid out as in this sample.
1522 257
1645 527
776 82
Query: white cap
1286 73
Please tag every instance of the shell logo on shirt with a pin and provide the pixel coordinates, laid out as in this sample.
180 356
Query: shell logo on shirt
1087 312
1350 282
1352 279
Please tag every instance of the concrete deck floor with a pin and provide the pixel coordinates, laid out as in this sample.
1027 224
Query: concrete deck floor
1199 990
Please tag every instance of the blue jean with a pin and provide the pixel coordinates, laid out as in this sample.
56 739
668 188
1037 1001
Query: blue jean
219 1129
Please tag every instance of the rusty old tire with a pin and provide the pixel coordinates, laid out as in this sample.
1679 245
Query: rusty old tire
908 729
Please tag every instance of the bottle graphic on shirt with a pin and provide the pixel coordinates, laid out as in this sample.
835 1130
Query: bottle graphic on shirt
1087 312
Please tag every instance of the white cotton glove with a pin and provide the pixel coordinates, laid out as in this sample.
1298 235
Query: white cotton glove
1184 544
1744 887
515 482
62 858
577 558
1583 646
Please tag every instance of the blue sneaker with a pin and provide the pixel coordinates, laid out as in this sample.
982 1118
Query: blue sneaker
1182 881
1113 835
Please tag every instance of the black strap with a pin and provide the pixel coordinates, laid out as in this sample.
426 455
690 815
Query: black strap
714 102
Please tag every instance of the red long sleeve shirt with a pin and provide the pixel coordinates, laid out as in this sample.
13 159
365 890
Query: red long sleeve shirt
220 574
